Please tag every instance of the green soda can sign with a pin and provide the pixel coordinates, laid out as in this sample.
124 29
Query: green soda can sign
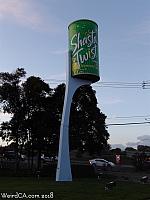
83 50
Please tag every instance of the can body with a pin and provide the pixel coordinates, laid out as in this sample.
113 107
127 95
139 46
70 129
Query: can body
83 50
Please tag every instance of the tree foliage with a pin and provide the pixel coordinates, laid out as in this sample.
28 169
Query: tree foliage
36 112
88 130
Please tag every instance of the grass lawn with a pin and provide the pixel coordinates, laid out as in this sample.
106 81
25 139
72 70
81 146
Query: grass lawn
79 189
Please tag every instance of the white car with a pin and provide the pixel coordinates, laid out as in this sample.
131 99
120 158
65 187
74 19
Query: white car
98 162
46 159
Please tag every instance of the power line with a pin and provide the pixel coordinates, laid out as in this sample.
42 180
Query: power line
127 124
109 82
127 117
113 86
120 85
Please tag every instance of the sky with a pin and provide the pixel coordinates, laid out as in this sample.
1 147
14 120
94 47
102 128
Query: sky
34 35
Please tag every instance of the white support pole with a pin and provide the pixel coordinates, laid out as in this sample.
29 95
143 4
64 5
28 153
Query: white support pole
63 172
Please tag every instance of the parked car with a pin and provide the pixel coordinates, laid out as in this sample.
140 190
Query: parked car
98 162
46 159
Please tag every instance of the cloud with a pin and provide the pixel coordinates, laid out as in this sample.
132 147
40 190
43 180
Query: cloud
143 140
26 13
144 137
19 11
132 144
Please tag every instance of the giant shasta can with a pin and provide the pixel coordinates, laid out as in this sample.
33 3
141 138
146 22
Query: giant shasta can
83 50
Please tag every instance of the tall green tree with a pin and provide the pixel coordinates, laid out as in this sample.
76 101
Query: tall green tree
37 95
11 102
29 104
87 130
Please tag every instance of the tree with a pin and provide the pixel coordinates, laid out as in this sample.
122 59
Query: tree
130 149
11 102
87 122
27 103
143 148
37 96
36 112
87 129
116 151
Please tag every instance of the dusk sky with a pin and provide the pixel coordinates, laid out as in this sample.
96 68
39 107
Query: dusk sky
34 35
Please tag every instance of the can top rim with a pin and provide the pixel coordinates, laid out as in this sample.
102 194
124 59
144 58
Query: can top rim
82 20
